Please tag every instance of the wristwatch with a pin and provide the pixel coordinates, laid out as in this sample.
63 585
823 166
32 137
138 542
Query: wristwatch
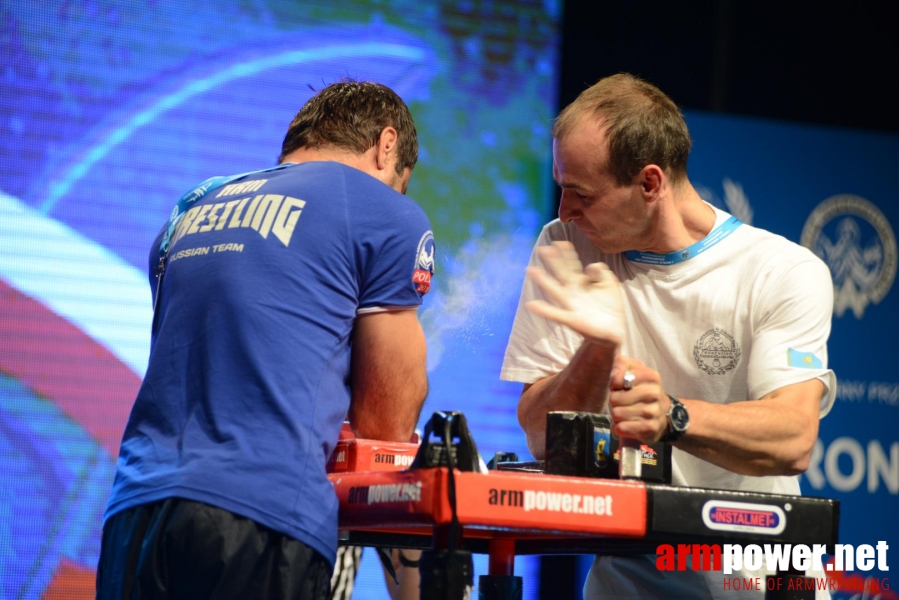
678 420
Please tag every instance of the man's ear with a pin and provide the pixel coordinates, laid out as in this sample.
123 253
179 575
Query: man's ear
386 154
651 179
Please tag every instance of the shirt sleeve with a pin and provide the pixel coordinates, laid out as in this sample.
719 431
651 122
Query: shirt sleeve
537 347
790 332
396 259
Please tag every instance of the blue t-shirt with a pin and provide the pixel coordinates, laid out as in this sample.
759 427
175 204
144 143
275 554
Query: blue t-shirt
248 379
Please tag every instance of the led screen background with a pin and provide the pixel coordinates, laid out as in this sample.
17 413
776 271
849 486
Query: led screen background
109 111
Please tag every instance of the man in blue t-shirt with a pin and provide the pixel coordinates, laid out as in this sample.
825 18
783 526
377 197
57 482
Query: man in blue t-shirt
285 300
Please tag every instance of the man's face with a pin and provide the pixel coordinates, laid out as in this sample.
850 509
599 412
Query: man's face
612 217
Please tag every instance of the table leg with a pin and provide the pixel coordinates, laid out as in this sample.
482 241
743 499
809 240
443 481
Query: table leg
502 557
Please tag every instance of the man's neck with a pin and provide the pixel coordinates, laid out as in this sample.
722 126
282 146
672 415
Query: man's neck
682 221
351 159
367 162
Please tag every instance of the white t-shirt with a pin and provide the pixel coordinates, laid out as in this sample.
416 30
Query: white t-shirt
748 315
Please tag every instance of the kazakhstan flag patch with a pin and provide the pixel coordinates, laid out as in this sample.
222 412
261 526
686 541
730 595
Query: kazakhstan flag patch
803 360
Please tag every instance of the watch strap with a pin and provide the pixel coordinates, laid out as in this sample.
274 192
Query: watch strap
673 434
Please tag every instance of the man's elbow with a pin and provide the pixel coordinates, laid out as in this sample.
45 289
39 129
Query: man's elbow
420 397
797 461
526 419
534 429
797 467
389 421
782 464
785 458
382 429
537 446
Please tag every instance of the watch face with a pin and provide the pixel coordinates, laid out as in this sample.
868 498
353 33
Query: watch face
679 417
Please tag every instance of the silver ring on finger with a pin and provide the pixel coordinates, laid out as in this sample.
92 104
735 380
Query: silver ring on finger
629 380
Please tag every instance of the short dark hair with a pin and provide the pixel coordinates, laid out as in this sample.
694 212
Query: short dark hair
350 115
643 126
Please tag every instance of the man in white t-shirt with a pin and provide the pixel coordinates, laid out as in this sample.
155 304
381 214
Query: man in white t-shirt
687 325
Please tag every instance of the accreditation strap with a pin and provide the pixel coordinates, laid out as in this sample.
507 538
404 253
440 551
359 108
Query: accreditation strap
672 258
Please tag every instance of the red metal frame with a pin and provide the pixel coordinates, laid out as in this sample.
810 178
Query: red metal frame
500 506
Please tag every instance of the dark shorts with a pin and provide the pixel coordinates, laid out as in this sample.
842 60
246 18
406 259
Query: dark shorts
178 548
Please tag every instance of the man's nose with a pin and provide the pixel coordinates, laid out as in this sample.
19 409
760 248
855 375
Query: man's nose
569 208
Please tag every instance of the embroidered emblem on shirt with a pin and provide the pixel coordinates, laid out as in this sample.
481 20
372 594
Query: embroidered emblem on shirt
424 263
716 352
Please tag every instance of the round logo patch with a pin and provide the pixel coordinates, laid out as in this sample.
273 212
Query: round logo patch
716 352
424 263
856 241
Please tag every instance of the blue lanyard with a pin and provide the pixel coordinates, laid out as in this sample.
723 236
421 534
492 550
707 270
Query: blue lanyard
672 258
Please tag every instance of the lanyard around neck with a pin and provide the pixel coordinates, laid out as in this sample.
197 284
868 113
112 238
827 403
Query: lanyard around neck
715 236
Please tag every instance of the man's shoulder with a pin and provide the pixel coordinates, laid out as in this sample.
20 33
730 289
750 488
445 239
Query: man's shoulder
556 230
363 188
342 183
328 169
312 171
772 259
772 248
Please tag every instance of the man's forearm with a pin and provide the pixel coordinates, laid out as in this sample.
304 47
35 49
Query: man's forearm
582 386
389 375
390 417
771 436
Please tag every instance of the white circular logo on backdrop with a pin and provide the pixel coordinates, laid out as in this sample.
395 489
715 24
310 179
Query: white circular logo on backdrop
856 241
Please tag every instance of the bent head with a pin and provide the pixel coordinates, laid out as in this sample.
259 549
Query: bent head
350 116
643 126
614 148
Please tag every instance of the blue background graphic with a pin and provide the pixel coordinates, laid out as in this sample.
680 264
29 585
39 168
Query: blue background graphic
110 110
780 174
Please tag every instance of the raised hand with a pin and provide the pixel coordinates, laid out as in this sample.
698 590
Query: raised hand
588 300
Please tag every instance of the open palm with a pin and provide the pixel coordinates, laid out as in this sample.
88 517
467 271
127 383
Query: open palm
588 300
